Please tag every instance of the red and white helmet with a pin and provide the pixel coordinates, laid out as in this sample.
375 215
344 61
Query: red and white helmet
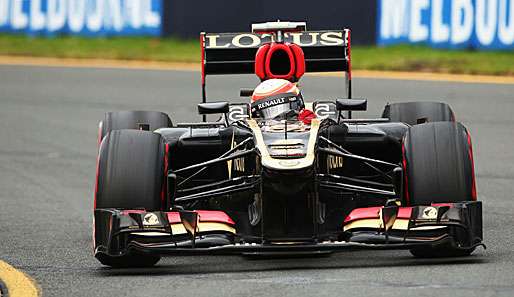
274 97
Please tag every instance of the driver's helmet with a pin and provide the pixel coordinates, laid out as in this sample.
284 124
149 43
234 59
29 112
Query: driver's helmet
275 97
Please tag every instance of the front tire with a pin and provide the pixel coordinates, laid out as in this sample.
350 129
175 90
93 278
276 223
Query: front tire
129 261
131 175
133 119
414 113
131 170
438 165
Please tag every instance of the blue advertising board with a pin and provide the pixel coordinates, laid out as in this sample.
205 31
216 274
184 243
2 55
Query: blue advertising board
81 17
479 24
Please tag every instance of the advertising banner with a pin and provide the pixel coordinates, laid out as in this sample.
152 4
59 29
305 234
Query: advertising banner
81 17
187 19
479 24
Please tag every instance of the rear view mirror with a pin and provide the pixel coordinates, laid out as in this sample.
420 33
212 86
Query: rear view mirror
213 107
351 104
245 92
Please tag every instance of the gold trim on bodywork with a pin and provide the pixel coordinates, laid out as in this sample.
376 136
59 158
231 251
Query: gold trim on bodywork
399 224
229 162
178 229
285 164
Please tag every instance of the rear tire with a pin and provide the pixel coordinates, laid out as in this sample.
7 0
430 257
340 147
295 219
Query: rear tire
414 113
438 166
130 176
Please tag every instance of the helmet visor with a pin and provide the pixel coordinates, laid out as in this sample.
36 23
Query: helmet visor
274 111
274 106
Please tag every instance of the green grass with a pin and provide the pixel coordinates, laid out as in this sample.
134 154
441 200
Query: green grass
124 48
422 58
396 58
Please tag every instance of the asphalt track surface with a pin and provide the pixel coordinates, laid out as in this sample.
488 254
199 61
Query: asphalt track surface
48 126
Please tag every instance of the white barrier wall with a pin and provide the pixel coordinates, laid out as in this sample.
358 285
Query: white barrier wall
480 24
82 17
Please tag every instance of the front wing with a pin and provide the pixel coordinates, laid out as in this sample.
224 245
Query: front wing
121 232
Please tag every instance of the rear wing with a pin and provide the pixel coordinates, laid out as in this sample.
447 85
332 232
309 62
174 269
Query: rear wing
234 53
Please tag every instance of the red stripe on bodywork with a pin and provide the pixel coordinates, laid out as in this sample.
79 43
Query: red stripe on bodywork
97 162
405 212
202 47
374 213
99 140
96 179
362 213
164 185
442 204
215 216
350 54
473 186
205 216
126 212
405 177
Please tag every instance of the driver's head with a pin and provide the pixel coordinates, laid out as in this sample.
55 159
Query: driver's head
274 97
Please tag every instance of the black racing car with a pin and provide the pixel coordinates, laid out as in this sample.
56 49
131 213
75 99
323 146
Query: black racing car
254 185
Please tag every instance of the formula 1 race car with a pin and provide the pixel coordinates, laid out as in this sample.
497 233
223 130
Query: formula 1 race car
279 176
